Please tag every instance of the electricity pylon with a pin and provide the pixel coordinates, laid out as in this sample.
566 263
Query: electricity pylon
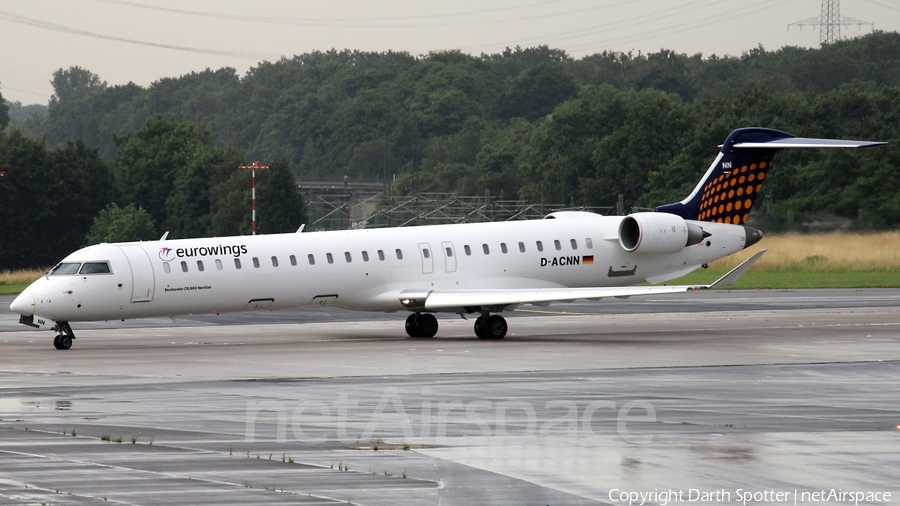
830 22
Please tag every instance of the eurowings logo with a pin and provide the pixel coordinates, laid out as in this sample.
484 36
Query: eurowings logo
166 254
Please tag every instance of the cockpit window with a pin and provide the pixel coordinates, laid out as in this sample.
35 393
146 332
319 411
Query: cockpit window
65 268
95 268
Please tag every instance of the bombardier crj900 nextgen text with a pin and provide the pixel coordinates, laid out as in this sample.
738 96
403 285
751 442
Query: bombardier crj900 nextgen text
480 268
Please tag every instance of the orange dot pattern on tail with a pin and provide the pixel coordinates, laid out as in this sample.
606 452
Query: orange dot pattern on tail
729 197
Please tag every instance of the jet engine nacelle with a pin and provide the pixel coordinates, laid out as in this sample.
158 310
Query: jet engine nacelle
658 233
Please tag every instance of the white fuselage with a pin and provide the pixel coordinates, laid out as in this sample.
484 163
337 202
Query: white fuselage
359 269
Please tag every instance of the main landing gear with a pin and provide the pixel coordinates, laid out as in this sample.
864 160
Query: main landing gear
421 325
63 340
486 326
490 327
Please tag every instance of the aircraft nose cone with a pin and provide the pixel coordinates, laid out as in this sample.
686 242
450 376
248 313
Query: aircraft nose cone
24 304
752 236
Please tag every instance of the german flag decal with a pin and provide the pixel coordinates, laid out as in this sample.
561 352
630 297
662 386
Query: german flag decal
587 260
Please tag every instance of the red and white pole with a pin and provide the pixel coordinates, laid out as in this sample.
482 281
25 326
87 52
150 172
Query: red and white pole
253 166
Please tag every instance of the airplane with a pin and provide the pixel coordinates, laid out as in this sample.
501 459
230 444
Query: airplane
478 268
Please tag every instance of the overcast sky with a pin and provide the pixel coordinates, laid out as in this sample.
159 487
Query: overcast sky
145 40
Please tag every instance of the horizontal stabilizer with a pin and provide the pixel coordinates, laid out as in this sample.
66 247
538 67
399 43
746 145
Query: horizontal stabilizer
799 142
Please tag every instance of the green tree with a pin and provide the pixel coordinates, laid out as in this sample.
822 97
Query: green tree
74 82
537 91
47 199
121 224
151 160
4 113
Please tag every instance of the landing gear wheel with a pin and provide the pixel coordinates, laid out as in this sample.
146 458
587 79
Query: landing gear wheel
421 325
63 340
428 325
481 327
496 327
412 326
490 327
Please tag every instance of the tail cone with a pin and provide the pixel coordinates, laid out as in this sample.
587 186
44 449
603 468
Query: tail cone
752 236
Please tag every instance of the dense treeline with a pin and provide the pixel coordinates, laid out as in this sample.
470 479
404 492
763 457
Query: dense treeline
168 176
526 123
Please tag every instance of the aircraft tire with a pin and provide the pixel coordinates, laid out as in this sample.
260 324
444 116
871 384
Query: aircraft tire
496 327
56 342
65 342
412 326
481 329
428 325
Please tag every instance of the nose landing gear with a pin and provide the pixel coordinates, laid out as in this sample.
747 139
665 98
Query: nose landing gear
63 340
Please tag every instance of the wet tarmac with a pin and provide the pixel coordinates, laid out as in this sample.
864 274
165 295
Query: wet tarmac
781 395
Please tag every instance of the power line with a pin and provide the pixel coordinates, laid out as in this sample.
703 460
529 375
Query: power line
346 22
76 31
370 22
887 6
700 23
653 16
44 95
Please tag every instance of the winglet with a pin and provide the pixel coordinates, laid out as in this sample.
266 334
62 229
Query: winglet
733 275
164 236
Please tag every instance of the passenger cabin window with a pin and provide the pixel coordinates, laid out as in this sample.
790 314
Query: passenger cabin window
557 245
65 268
312 259
95 268
274 261
487 250
589 243
218 265
166 267
183 266
347 257
381 255
426 253
540 246
522 247
329 257
574 243
399 254
200 265
256 262
237 263
449 251
468 250
293 260
503 247
365 255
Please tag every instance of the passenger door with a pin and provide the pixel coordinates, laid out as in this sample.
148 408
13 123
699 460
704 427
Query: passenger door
142 279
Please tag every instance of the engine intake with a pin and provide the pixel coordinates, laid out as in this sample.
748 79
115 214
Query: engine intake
658 233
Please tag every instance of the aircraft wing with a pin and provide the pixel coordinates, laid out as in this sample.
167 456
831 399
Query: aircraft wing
438 300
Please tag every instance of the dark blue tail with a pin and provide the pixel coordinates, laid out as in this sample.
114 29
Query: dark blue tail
733 181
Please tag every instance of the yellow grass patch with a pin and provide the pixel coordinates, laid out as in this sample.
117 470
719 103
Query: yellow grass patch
24 277
823 253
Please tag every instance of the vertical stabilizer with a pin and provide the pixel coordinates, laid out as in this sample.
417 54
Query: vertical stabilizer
732 183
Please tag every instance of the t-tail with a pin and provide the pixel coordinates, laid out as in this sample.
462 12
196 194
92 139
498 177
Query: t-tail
732 183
